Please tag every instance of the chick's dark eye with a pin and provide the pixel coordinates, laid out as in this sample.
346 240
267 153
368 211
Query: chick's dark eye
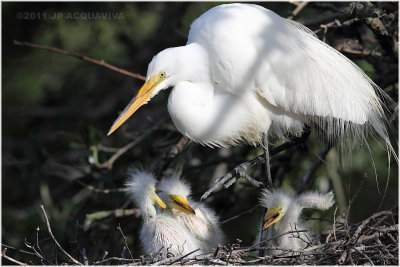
171 197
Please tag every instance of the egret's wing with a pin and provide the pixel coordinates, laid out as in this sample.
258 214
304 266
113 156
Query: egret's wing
252 48
316 200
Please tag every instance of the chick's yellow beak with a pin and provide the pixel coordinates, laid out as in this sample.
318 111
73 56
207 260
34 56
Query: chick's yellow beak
272 216
157 201
141 98
182 204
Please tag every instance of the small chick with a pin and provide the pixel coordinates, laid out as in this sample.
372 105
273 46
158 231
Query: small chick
200 220
284 211
159 233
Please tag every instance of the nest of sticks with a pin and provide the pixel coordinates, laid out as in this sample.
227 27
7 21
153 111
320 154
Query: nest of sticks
373 241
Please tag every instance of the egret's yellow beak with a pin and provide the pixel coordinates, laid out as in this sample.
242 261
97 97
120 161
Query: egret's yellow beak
157 201
141 98
272 216
182 204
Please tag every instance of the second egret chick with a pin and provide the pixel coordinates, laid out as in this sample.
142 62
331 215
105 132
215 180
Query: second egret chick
284 211
159 233
200 220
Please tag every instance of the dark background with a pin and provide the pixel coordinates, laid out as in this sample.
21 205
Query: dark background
56 111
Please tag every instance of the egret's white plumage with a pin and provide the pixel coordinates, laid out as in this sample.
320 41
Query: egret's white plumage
283 215
246 71
159 233
203 224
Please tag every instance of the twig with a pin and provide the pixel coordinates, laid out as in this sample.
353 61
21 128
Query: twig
54 239
81 57
171 261
3 254
19 250
297 10
98 190
108 164
277 236
241 214
114 258
173 153
313 168
126 244
241 169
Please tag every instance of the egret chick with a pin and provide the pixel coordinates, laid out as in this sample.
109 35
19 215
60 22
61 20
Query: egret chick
200 220
159 233
284 211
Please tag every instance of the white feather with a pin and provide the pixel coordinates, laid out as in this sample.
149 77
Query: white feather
291 210
245 72
159 233
204 224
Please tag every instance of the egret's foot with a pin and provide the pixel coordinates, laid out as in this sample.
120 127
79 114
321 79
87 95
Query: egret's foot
240 171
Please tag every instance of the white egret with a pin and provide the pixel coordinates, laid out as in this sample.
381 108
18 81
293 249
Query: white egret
200 220
159 233
283 212
245 71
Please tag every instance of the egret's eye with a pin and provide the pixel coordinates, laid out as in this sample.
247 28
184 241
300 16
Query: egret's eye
163 74
171 197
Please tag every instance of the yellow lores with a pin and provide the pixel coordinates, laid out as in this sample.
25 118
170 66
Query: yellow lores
272 216
181 204
140 99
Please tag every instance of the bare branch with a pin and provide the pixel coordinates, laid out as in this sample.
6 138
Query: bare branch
54 239
3 254
126 244
108 164
84 58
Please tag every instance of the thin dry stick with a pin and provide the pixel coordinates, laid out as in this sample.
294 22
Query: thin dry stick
84 58
114 259
19 250
314 166
297 10
171 261
121 151
242 168
54 239
241 214
275 237
98 190
126 244
3 254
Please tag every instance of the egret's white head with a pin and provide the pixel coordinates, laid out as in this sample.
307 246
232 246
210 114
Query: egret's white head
140 187
168 68
277 204
174 192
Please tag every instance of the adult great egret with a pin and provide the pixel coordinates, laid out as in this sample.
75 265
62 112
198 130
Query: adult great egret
245 72
200 220
159 233
284 210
